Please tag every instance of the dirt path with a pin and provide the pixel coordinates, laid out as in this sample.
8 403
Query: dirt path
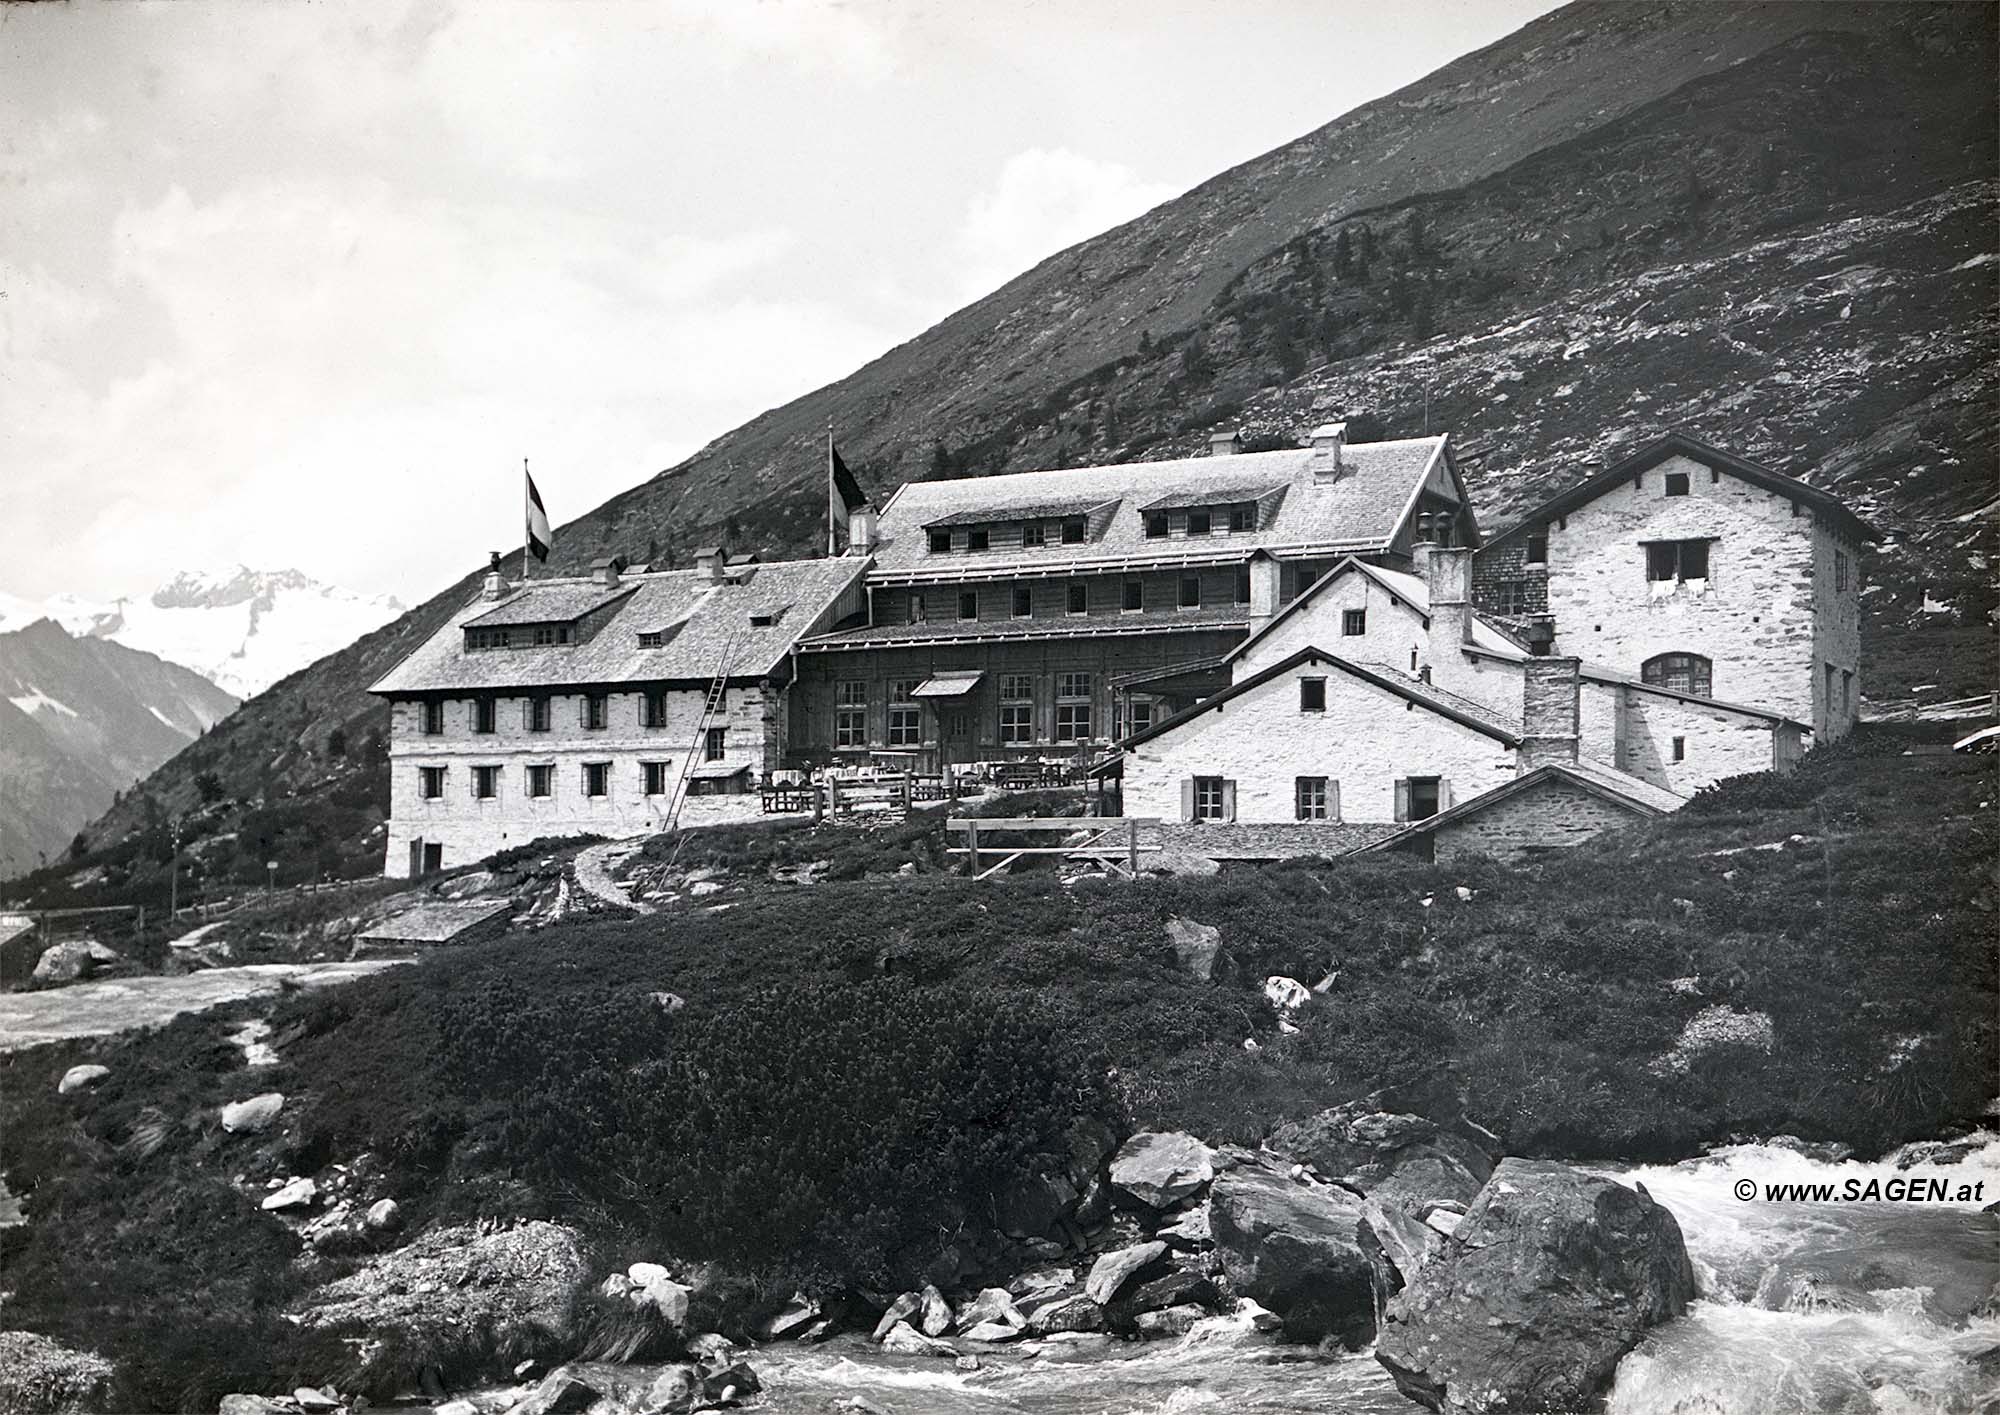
30 1019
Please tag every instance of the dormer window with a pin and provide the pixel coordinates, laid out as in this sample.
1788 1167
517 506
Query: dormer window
1073 530
940 540
976 539
1156 525
652 639
765 618
1243 516
1199 521
1033 533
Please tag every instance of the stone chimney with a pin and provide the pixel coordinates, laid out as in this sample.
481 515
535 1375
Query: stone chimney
1447 572
605 570
1328 439
1264 575
710 563
863 526
1225 444
1549 688
495 586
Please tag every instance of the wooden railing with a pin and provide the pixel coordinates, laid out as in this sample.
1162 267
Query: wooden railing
1112 842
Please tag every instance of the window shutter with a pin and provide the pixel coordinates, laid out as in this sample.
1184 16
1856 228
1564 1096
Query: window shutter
1402 798
1444 793
1229 800
1187 798
1332 799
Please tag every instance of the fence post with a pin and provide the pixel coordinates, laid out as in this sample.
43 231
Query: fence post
972 841
1132 847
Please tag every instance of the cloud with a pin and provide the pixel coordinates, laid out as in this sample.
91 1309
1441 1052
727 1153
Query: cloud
1043 201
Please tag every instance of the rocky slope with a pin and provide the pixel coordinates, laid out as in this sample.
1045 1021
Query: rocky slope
1771 224
80 720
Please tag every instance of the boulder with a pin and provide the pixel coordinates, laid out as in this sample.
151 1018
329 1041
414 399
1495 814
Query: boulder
74 961
934 1317
44 1377
1260 1317
255 1405
1294 1248
455 1407
294 1193
729 1383
906 1340
1077 1313
1180 1288
1110 1273
790 1320
1287 995
1190 1232
1397 1246
314 1401
1399 1158
991 1305
81 1078
652 1286
562 1392
1034 1205
901 1310
384 1216
1168 1321
1159 1170
1553 1276
991 1332
1195 945
249 1117
676 1389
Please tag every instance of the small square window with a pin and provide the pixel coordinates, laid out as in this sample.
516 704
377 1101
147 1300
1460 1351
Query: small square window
1312 695
940 541
1310 797
976 539
1353 623
541 780
1072 722
1156 525
968 604
1033 533
1538 547
597 778
1079 597
1243 516
1190 592
1072 530
715 744
1210 798
1199 521
654 775
1017 723
433 719
1677 483
1135 596
1023 602
430 782
652 639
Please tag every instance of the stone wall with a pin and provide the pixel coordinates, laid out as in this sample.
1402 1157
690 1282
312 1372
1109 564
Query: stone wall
1837 615
1548 815
1714 742
1367 738
1393 632
470 828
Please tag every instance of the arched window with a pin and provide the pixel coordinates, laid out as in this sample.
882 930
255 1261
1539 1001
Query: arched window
1682 672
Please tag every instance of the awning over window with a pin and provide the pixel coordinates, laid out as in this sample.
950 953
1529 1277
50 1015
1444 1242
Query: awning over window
948 685
718 771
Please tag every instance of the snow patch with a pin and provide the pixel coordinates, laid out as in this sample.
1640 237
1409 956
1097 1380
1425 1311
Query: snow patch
34 700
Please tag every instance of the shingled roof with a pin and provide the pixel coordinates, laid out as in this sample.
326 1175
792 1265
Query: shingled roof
1359 510
702 623
1641 798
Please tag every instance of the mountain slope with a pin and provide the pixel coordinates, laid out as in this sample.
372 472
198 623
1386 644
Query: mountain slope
83 719
1772 224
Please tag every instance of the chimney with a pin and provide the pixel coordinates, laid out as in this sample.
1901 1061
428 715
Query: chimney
1327 441
495 586
1264 572
1549 689
1225 444
710 562
1448 578
605 570
863 523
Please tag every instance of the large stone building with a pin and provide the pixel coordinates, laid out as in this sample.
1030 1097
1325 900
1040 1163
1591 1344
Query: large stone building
592 704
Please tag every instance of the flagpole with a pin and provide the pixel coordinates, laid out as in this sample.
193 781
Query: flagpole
526 535
831 492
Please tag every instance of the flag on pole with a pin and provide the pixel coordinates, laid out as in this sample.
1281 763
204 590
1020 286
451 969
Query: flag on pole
539 537
843 494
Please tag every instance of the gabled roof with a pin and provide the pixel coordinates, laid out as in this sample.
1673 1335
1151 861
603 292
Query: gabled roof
705 624
1641 798
1410 589
1680 444
549 602
1360 510
1463 711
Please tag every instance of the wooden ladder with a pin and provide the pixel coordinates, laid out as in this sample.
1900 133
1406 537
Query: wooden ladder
712 706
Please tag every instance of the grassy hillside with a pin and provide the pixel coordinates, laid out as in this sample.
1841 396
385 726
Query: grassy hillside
1770 224
1808 955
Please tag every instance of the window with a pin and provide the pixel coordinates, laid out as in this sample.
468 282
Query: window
715 744
1135 596
976 538
1073 707
1847 692
654 777
917 612
1199 521
652 639
1353 623
1142 715
477 639
1312 695
485 782
433 719
1688 673
968 604
1156 525
1243 516
1538 547
1212 798
1509 596
850 713
1242 584
541 780
905 715
1190 592
1677 483
596 710
1079 597
1839 571
546 634
1023 602
1419 797
1680 749
1072 530
597 778
940 539
1034 533
1312 798
482 715
1017 723
656 709
430 782
1676 560
1072 685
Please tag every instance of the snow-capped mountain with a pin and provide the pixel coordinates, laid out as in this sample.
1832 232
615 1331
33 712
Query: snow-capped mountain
80 719
242 629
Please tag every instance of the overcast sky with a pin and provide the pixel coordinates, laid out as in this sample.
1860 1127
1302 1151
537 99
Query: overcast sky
300 284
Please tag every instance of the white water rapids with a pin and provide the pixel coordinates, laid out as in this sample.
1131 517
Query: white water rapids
1812 1308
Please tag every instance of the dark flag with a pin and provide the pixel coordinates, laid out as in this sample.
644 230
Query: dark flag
843 495
540 538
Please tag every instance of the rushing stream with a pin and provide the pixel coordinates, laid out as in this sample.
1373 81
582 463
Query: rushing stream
1822 1306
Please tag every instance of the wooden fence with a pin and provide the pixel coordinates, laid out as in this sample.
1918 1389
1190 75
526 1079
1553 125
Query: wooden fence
1112 842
